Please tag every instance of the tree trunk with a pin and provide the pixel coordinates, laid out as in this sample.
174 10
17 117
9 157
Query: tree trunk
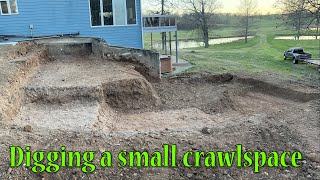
318 23
246 34
247 29
205 28
206 38
299 26
205 34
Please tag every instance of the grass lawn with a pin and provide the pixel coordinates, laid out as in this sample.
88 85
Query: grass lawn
261 55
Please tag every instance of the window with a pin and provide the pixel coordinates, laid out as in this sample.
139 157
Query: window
131 12
8 7
298 51
95 12
107 12
114 12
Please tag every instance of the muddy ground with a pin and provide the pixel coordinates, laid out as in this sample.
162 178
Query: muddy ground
84 103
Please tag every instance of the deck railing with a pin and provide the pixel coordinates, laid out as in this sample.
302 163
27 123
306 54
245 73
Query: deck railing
159 23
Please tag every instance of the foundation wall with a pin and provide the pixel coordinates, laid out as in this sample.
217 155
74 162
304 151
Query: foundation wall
85 46
148 58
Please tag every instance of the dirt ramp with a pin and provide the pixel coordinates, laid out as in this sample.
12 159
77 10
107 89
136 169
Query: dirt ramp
130 94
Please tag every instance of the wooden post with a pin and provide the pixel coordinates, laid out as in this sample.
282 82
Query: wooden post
165 42
170 43
177 58
162 34
151 42
319 48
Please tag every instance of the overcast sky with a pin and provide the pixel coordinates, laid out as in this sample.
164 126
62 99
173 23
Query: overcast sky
231 6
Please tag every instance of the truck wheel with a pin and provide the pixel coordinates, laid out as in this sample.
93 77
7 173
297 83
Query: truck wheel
295 61
284 57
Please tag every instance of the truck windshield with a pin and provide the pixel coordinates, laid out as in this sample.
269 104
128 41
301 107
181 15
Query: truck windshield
299 51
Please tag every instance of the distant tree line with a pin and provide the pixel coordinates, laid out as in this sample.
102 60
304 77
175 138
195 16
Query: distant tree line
202 17
185 22
300 14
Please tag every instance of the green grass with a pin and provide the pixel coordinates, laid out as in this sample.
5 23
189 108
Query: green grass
234 45
261 55
311 46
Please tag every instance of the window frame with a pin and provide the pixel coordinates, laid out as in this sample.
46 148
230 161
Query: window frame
9 8
113 10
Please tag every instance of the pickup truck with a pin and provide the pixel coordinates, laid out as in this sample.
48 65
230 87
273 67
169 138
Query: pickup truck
296 54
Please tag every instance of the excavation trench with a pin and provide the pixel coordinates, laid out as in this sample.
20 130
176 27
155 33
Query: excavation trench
72 97
17 67
73 89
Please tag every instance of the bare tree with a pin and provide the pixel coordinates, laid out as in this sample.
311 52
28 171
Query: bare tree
161 7
247 11
294 13
313 7
201 12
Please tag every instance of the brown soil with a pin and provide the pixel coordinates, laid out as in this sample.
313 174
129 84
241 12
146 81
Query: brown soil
85 103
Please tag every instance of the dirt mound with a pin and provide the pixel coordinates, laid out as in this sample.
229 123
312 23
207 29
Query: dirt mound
221 93
278 91
17 67
284 91
22 49
205 78
61 94
139 67
210 99
133 94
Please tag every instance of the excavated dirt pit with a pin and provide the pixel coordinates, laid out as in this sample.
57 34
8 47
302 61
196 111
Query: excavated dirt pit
74 93
88 103
83 94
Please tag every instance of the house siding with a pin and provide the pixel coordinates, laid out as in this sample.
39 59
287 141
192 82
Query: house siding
65 17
